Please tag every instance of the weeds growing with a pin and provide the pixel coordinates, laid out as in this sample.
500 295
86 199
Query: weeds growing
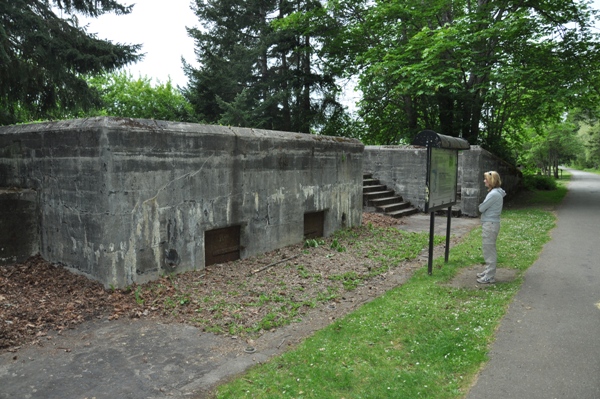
422 339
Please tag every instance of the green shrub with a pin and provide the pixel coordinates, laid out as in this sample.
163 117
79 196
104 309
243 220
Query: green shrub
539 182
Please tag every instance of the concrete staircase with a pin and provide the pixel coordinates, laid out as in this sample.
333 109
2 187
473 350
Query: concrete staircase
384 200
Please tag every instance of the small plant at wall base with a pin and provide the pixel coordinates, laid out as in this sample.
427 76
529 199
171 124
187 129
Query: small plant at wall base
335 244
138 296
313 243
315 272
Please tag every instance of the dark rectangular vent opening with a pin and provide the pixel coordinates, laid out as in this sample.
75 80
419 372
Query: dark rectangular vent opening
314 224
222 245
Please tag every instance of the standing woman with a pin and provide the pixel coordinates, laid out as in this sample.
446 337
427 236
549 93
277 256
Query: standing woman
490 210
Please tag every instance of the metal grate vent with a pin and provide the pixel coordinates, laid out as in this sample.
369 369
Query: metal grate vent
314 224
222 245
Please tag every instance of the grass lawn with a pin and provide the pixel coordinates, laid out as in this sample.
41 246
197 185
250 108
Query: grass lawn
423 339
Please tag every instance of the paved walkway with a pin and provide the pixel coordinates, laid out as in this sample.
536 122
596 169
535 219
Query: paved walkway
548 344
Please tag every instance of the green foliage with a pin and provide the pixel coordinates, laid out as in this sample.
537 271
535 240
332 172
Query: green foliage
549 146
539 182
302 272
313 242
478 70
593 148
336 245
589 136
351 280
336 121
44 58
257 70
138 296
124 96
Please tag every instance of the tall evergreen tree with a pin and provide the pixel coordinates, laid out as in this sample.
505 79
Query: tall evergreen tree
256 73
44 57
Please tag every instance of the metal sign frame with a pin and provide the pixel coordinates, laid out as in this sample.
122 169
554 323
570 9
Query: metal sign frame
441 181
442 178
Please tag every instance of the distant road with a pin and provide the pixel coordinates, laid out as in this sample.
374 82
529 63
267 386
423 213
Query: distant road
548 345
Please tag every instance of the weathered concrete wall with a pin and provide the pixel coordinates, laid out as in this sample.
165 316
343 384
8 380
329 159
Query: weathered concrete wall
18 225
472 165
404 168
117 195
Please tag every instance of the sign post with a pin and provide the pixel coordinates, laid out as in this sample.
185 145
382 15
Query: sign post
441 179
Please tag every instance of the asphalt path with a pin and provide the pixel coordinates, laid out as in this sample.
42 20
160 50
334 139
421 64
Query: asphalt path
548 344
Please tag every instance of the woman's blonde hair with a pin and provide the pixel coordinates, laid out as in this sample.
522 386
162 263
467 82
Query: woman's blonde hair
493 179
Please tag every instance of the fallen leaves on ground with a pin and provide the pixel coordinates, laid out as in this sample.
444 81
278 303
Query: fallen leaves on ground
37 297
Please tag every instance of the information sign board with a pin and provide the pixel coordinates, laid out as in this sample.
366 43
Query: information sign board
442 179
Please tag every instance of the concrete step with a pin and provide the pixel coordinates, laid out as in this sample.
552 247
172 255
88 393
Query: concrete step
393 207
374 188
403 212
386 200
370 182
369 196
378 197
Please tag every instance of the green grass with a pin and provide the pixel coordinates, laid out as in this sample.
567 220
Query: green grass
423 339
542 198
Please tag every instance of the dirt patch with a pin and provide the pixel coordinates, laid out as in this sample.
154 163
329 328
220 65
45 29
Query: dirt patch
466 277
37 297
310 286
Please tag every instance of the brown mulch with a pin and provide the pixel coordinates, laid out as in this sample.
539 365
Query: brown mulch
37 297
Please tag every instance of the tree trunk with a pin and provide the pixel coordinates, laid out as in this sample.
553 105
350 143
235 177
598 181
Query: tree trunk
446 112
411 113
306 117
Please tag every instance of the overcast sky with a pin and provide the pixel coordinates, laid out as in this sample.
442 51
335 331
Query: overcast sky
160 27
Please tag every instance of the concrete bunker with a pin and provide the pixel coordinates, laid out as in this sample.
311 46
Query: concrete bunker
124 201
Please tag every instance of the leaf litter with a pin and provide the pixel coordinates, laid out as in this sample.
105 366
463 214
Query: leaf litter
242 298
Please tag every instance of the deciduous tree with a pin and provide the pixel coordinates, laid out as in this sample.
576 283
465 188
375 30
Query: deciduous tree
475 69
123 95
552 145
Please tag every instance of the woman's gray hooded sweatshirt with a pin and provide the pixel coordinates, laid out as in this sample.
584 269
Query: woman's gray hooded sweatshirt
491 207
